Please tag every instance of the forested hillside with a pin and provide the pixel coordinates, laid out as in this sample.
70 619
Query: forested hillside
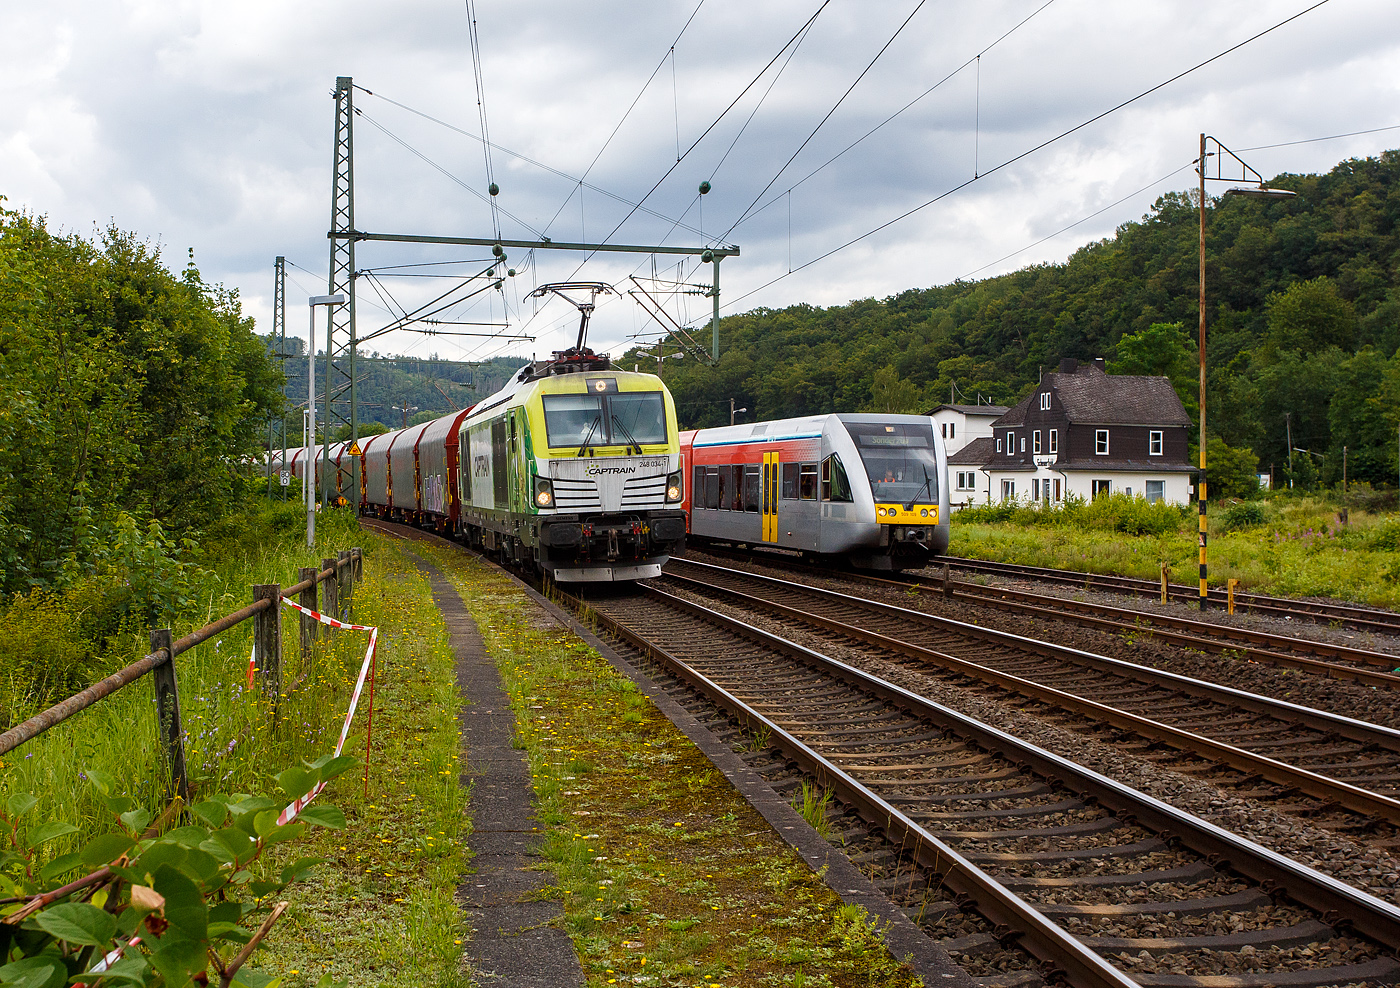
426 386
1303 308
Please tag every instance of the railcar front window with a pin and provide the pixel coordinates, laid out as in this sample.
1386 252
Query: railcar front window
569 420
900 460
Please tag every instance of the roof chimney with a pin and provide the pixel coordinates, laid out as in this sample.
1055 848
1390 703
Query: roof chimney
1068 365
1098 362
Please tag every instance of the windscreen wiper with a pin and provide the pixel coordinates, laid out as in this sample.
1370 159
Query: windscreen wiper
626 432
927 480
597 420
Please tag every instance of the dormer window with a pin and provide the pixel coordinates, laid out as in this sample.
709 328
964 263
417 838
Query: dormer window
1045 401
998 445
1101 442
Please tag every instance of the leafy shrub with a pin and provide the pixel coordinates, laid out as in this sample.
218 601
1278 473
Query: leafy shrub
1245 514
1385 537
1111 513
44 654
176 909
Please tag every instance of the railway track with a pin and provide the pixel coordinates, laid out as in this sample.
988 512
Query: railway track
1340 762
1347 615
1027 867
1370 668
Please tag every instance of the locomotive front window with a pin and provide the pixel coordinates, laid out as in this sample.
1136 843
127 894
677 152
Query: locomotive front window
605 420
900 461
569 420
639 417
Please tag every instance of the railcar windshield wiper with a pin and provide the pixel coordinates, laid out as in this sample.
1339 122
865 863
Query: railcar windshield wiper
927 480
588 436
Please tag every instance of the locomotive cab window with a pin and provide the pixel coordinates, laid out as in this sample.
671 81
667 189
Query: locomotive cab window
631 418
835 485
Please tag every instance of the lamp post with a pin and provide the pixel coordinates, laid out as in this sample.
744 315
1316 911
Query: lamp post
309 470
734 411
1262 191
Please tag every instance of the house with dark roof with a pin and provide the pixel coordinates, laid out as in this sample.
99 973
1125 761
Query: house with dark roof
1085 432
967 436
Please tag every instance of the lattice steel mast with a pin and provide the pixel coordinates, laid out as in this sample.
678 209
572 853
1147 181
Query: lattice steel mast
340 323
279 330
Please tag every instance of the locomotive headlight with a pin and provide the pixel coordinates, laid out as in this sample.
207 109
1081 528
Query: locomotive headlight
544 492
673 488
923 512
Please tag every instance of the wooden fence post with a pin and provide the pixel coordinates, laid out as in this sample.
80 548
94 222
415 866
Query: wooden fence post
309 625
168 715
346 574
332 594
358 555
1166 584
267 640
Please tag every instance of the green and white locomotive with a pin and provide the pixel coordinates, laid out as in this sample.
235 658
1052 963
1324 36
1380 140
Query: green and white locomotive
573 468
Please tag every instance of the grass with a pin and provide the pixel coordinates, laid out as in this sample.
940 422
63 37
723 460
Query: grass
666 876
382 911
1292 546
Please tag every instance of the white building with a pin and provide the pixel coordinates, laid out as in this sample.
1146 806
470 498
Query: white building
962 426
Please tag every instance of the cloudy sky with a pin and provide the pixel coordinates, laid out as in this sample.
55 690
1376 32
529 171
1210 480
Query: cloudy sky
208 126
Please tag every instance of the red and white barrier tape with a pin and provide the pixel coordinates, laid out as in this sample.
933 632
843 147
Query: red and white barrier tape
366 668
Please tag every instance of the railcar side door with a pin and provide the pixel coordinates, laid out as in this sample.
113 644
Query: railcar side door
770 497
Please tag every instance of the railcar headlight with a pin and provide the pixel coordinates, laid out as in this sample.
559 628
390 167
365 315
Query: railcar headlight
544 492
923 512
673 488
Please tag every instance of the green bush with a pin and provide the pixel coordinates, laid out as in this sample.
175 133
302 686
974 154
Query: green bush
1109 513
1245 514
177 907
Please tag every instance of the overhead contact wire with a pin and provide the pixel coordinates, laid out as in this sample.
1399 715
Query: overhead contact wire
1027 153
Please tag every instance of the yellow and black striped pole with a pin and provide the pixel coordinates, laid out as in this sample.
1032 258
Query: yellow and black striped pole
1201 480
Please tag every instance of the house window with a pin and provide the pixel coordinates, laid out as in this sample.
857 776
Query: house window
1101 443
1035 444
967 481
952 430
1155 490
945 430
1102 487
998 445
1154 443
1055 443
1045 401
1057 490
1023 444
1008 490
1035 490
1011 444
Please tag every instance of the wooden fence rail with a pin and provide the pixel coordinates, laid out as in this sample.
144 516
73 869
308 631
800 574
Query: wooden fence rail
339 574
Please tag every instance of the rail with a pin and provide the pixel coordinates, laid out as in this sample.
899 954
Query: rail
1023 921
339 573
